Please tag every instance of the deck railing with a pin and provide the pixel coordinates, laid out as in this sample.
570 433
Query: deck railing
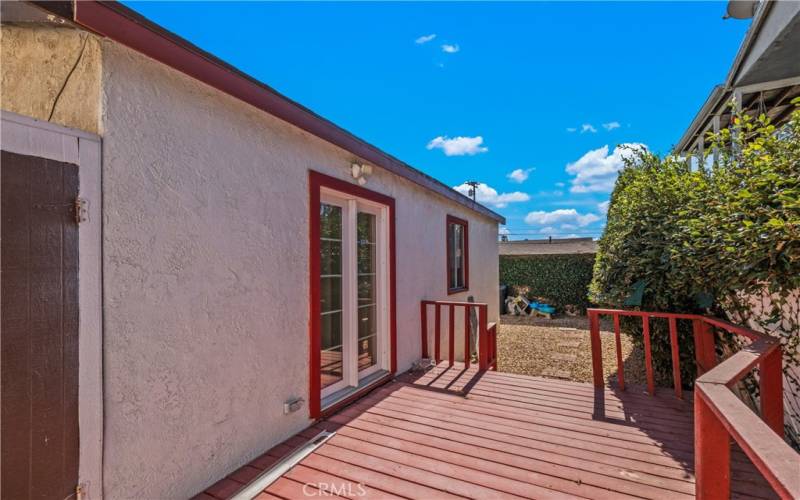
718 414
487 333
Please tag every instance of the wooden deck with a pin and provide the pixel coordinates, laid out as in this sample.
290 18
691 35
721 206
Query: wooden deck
457 433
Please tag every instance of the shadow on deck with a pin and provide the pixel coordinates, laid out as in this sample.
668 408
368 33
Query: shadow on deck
456 432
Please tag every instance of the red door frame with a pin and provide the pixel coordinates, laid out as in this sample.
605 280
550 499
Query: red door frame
317 181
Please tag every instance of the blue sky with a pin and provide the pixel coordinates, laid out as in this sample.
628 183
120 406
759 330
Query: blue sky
476 91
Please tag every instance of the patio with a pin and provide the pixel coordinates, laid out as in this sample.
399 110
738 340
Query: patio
455 432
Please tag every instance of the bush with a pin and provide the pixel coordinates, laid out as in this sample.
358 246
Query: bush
709 241
636 248
558 279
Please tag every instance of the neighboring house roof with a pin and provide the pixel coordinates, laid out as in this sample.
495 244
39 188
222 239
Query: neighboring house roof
765 72
565 246
121 24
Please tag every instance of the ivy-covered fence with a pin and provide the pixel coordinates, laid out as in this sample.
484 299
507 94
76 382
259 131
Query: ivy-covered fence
559 279
724 241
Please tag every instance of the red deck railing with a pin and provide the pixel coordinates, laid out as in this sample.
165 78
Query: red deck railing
718 414
487 333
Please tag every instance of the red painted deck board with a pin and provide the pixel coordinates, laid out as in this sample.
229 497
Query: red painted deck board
388 483
459 433
531 459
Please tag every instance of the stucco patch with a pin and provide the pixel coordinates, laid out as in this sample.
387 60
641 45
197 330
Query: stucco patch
51 74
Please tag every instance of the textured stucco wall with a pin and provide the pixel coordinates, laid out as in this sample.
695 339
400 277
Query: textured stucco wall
38 62
206 275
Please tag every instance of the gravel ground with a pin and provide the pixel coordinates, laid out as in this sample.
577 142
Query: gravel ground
560 348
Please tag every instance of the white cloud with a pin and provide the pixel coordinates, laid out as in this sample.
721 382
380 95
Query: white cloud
487 195
596 171
519 175
603 207
588 127
425 38
560 184
550 194
458 146
567 218
450 48
571 129
611 126
504 231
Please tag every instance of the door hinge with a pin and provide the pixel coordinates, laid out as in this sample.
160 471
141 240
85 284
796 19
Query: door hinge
81 210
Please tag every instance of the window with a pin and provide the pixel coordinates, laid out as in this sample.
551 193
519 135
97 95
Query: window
457 255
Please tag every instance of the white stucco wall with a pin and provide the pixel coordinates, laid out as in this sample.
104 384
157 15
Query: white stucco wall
205 261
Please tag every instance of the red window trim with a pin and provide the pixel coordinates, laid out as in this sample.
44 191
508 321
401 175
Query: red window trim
317 181
451 219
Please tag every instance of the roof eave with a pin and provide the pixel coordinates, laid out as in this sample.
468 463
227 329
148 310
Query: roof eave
123 25
719 91
749 38
712 102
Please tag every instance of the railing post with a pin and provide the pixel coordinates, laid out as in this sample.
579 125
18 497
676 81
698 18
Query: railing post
467 353
676 359
620 365
483 338
704 352
712 453
423 313
451 338
437 339
597 351
648 355
493 347
771 390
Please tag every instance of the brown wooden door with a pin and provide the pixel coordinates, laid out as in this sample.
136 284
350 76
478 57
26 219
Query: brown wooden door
39 365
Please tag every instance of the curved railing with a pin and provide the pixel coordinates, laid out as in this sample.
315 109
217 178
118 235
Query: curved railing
718 414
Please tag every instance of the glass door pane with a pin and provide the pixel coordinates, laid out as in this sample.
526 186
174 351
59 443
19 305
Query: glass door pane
353 315
331 308
367 307
459 256
452 260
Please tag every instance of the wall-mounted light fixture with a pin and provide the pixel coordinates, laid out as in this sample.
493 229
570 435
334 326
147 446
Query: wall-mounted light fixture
360 172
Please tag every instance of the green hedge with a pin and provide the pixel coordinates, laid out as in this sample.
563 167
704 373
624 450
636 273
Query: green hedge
710 241
559 279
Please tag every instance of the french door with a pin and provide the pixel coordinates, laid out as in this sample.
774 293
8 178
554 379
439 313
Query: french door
354 316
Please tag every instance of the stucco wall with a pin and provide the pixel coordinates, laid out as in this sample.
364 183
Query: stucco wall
206 275
51 74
